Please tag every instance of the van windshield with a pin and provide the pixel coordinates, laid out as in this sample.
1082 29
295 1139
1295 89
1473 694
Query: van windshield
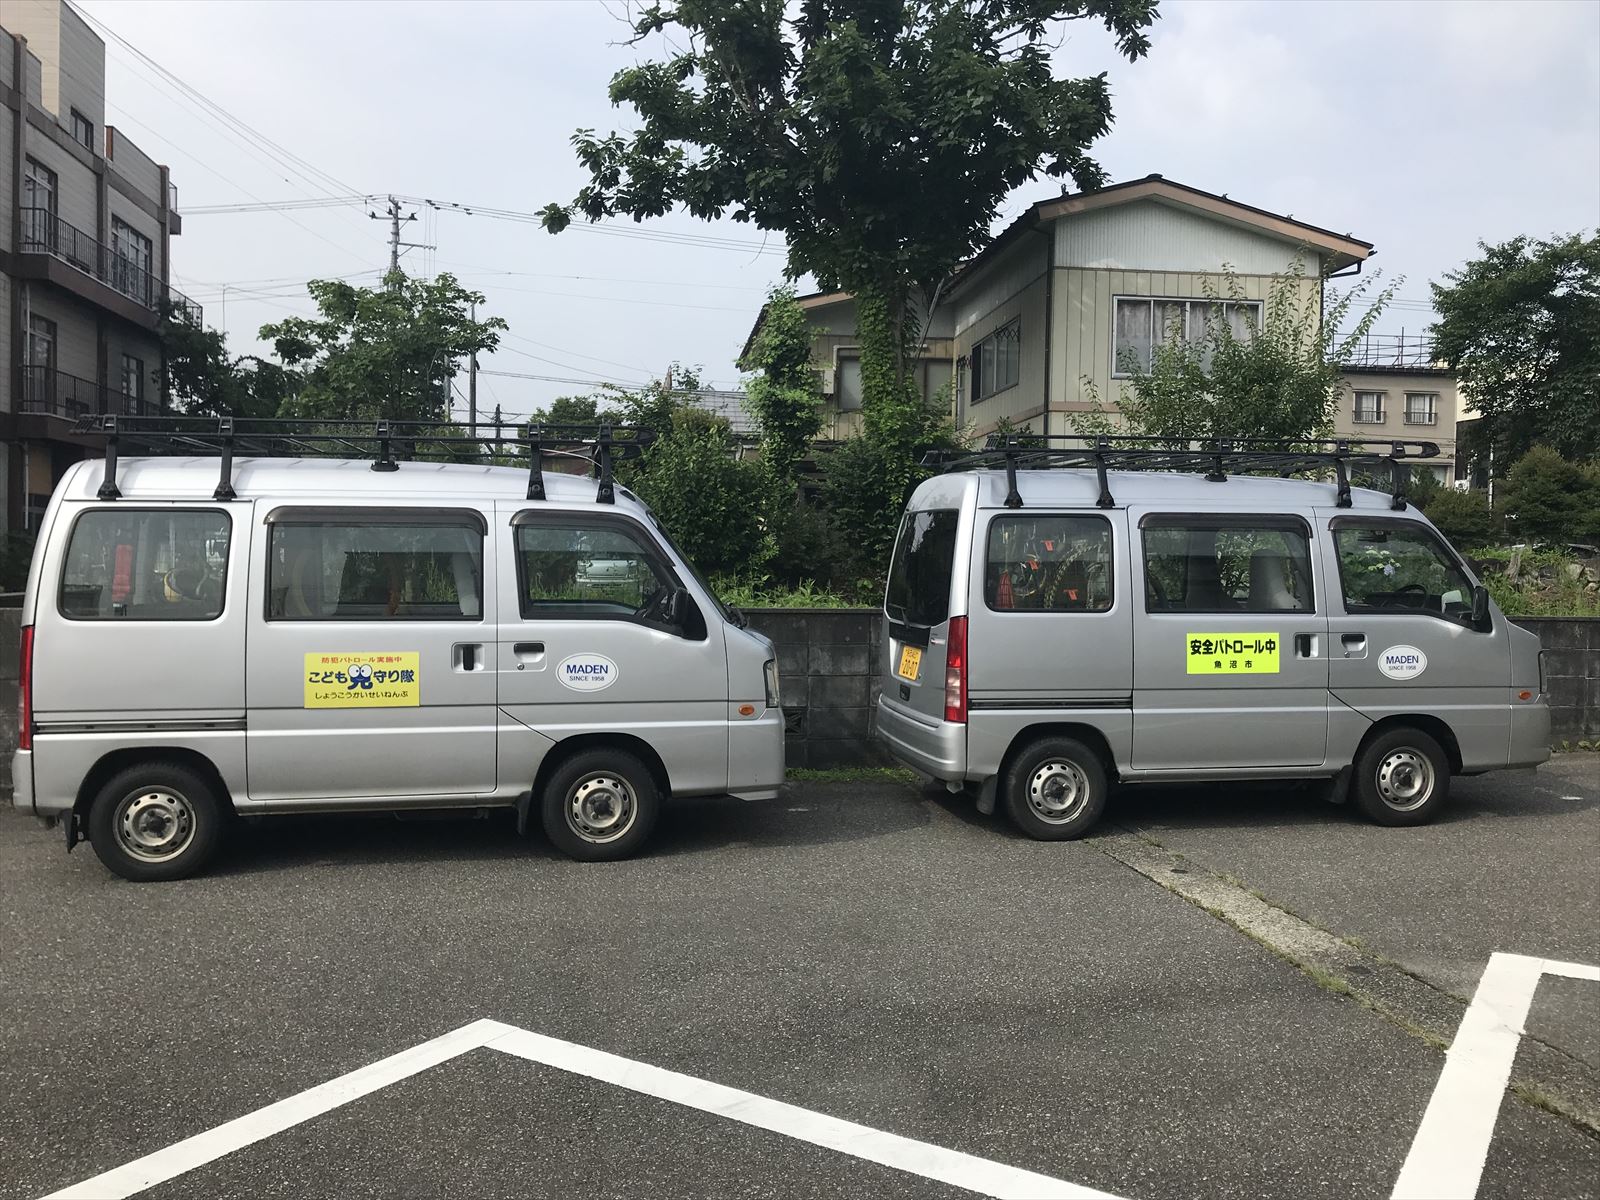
919 575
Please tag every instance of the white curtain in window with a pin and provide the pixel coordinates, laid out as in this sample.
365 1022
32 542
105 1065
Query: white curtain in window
1132 342
848 385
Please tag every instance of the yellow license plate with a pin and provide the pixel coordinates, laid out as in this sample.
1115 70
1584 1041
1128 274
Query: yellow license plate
910 661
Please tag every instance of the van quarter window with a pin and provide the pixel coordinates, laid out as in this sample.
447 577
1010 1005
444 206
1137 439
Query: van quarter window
1048 564
1232 564
350 568
146 565
1399 567
919 575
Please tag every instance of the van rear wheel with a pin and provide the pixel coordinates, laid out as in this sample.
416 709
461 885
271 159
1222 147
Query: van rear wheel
1402 777
1055 789
600 805
156 821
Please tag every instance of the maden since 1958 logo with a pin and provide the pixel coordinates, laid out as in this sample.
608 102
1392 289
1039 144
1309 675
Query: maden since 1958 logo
587 672
1402 662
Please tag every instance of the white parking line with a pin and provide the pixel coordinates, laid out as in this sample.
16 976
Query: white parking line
918 1158
1452 1143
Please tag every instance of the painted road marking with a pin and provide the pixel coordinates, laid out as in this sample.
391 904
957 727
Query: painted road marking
968 1171
1448 1153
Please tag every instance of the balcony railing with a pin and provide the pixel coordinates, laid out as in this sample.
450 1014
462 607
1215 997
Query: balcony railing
1377 350
1422 418
57 394
45 233
1369 416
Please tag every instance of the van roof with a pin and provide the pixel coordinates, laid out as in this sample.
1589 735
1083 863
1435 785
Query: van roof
195 478
1080 488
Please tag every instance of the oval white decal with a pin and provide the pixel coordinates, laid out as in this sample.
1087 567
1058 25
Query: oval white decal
1402 662
587 672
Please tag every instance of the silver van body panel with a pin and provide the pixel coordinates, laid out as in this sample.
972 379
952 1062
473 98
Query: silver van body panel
232 689
1121 673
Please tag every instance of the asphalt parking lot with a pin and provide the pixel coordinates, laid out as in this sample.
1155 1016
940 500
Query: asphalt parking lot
865 952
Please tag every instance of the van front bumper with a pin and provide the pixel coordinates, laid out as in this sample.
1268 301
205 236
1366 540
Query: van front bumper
928 746
1530 735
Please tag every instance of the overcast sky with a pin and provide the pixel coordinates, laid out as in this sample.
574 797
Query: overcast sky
1421 127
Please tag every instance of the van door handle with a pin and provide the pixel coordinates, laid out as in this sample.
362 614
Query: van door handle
528 651
468 656
1355 645
1305 645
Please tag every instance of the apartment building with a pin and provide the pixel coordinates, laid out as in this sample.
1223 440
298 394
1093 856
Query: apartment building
1394 387
86 222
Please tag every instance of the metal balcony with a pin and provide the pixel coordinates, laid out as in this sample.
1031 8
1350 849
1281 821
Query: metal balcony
45 233
56 394
1393 351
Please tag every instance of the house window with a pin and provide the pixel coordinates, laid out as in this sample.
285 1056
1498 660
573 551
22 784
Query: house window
1369 408
133 254
41 342
132 385
997 361
38 206
1421 408
1140 323
848 384
82 130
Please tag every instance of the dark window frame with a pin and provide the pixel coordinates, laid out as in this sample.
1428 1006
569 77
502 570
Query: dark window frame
86 140
975 358
1429 534
337 517
136 397
1111 565
1279 522
694 628
166 510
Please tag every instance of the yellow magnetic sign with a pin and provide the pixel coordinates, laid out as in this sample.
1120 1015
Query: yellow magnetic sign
380 679
1232 653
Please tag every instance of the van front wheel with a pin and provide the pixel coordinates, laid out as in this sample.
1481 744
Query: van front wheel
600 805
1402 777
1055 789
155 822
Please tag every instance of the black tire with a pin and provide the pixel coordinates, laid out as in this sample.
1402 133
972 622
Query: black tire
1060 774
1402 777
157 821
621 790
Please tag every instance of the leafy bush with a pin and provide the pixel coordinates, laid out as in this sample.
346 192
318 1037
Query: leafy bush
1463 517
761 592
16 553
709 501
864 489
1548 498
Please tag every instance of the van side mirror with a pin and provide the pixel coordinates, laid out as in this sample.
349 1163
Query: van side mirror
1480 609
676 609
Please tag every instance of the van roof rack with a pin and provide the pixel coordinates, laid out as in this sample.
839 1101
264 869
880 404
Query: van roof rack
386 443
1215 457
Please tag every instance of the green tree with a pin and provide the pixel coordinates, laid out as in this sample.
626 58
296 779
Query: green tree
1281 381
1521 327
384 352
708 499
203 379
1463 517
783 395
880 139
1548 498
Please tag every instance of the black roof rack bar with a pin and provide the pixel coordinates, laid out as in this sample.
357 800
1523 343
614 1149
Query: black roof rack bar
605 493
386 460
1213 457
535 462
108 485
225 483
1399 477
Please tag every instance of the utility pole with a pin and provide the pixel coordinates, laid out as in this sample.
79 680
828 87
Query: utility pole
472 386
392 215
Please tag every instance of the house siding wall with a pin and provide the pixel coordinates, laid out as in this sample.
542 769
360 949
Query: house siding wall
82 81
76 188
1151 236
1394 385
1018 293
40 22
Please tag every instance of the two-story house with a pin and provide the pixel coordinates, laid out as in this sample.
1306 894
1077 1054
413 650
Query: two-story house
86 221
1394 387
1046 317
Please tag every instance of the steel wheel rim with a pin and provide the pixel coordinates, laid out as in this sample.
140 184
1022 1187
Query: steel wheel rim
1058 790
602 808
1405 779
154 826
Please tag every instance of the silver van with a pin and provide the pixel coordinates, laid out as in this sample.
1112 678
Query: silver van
205 636
1062 616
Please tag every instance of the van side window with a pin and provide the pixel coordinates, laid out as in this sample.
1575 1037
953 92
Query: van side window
1048 564
1399 567
919 574
146 565
586 570
1228 564
350 567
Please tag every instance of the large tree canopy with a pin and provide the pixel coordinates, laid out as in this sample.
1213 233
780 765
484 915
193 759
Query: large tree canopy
879 136
1521 326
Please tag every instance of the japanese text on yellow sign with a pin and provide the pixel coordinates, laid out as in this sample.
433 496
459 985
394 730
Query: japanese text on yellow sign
1232 653
375 680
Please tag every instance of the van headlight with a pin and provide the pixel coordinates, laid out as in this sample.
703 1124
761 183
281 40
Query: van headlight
770 669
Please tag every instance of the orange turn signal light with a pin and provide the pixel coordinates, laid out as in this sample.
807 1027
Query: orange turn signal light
1524 695
749 710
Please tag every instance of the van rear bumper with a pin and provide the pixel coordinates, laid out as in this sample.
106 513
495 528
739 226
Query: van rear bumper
22 780
926 745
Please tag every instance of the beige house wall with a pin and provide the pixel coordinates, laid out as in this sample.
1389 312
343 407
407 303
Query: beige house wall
1393 386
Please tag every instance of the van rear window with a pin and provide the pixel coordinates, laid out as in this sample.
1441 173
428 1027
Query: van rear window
919 575
135 564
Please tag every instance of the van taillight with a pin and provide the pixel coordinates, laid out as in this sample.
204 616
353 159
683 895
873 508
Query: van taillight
955 672
25 691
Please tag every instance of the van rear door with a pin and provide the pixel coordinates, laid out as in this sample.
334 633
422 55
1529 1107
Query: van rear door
919 602
1230 642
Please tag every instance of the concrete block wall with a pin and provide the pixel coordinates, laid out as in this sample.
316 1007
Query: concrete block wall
827 662
1572 673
